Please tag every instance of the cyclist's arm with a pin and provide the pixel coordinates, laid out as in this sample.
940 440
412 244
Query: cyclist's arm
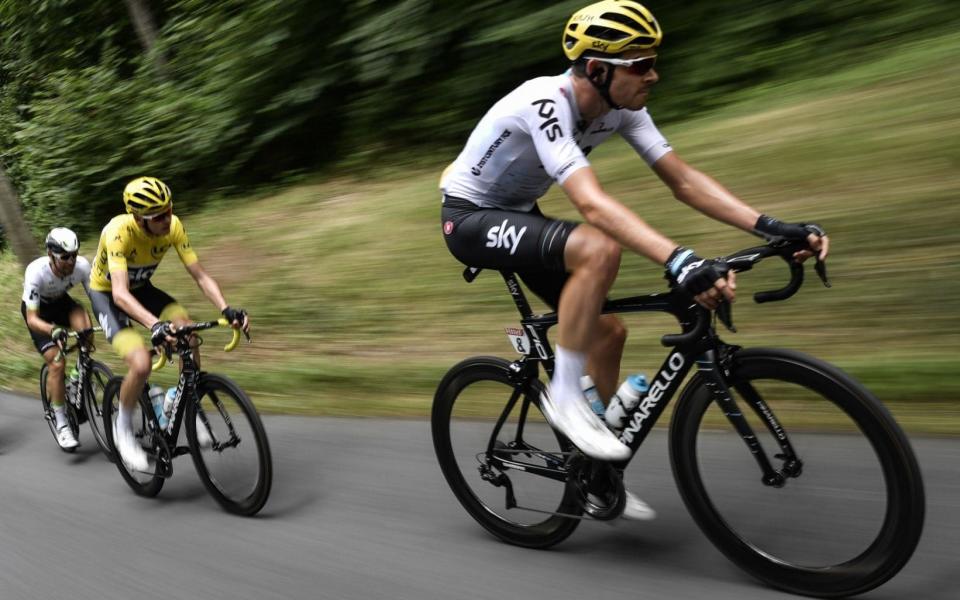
700 191
126 302
207 285
38 325
613 218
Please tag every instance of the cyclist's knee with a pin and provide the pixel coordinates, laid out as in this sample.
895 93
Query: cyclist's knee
592 249
139 364
55 364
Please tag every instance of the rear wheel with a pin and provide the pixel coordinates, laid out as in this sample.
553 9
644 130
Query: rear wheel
517 504
229 445
849 511
147 432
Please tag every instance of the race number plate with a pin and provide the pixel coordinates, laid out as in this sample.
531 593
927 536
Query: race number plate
518 337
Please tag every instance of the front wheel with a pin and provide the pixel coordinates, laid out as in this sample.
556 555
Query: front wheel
93 395
229 445
846 511
484 421
147 432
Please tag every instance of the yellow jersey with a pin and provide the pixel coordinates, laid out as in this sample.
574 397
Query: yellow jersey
124 245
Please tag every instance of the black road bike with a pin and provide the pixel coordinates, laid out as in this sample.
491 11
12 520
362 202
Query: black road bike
83 400
224 433
792 469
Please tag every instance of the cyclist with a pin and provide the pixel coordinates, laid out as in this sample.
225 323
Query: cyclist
49 310
130 250
541 132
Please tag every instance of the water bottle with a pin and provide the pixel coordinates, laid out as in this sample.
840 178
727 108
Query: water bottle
73 382
168 399
592 396
625 400
156 401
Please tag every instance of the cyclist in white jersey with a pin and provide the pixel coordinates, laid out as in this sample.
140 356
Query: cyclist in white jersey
541 133
48 310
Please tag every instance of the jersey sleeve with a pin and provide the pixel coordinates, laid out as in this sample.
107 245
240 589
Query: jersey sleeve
31 288
83 270
180 241
549 122
638 129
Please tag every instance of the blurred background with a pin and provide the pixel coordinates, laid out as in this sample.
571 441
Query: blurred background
303 142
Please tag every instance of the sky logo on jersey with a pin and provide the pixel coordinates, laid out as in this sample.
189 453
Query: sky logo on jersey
551 124
501 236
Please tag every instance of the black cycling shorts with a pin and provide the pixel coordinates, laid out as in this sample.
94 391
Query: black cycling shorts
112 319
56 312
527 243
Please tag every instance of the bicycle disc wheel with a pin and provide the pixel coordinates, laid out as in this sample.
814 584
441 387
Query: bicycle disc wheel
147 433
849 516
93 394
468 403
49 415
229 445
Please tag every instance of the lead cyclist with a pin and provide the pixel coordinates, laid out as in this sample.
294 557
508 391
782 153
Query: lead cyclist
541 133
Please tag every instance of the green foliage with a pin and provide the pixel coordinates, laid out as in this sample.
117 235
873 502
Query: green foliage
257 91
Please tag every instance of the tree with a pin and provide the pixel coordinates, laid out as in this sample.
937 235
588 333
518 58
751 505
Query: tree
14 226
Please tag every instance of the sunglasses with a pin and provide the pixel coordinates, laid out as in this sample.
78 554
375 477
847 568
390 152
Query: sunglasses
65 255
634 66
159 216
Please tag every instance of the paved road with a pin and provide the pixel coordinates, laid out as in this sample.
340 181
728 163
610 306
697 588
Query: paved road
360 510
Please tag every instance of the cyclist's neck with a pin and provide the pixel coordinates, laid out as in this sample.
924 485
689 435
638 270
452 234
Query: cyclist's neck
589 102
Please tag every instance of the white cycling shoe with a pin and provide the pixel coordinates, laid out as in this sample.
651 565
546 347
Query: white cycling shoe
66 439
637 510
583 428
131 452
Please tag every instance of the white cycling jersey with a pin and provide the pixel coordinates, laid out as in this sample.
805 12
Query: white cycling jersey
41 285
534 136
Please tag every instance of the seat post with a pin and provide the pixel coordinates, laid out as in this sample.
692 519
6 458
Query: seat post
513 286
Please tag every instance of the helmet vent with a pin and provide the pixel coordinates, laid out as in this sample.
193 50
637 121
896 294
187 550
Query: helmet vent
624 20
606 33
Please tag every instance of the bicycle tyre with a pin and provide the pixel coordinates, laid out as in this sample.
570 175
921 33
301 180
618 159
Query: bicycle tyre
147 428
554 528
48 414
212 393
902 521
99 375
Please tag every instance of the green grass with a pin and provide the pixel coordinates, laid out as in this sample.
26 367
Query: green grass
358 308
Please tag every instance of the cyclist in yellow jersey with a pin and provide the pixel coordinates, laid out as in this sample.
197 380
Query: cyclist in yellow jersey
130 250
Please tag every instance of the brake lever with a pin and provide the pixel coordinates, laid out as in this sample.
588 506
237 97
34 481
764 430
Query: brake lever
724 313
821 269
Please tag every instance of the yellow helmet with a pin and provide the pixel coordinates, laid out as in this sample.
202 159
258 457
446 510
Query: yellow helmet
146 196
610 27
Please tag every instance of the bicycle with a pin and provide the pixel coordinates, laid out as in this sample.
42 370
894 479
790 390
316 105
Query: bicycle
83 401
221 421
528 486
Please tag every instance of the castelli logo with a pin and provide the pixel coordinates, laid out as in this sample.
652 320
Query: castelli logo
448 227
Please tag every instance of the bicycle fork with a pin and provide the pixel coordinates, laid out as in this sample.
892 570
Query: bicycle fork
710 368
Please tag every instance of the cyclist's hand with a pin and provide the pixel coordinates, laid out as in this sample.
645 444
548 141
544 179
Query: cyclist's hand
59 336
238 318
709 281
162 333
773 230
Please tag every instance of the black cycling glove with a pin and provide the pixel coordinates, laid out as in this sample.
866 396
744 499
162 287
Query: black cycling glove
693 274
234 314
777 231
159 332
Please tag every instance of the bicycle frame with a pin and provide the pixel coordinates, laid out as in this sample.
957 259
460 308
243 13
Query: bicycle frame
699 343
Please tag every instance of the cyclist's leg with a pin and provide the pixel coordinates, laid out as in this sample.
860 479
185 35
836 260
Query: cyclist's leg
609 336
51 313
586 264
